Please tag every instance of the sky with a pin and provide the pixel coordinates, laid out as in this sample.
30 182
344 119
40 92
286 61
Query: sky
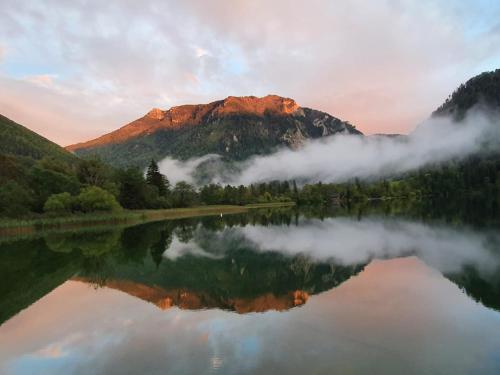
72 71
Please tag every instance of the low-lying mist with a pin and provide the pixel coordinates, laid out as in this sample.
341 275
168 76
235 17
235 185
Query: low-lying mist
341 158
183 170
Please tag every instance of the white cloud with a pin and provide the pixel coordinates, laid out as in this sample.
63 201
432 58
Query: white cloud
382 65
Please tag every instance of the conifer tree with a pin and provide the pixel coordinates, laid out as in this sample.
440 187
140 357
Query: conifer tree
155 178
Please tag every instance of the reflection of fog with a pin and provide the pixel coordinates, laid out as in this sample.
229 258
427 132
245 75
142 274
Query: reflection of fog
348 241
178 249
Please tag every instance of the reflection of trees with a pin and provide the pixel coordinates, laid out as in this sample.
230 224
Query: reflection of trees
29 271
158 248
468 210
184 232
90 244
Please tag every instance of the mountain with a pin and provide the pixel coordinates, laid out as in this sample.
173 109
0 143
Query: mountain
21 143
482 91
235 128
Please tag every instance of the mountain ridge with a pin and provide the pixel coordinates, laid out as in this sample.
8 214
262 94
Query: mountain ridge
192 114
235 128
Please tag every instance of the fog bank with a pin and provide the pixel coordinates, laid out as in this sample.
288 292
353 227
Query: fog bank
183 170
342 157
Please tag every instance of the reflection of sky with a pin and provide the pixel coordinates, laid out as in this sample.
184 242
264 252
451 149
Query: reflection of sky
396 316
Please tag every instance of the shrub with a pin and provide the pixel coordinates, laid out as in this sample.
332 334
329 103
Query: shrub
15 200
59 203
94 198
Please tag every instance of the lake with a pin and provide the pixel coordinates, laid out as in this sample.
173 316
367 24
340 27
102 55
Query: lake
289 291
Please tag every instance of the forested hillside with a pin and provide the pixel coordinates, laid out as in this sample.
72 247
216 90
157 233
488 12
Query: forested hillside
235 128
482 90
18 141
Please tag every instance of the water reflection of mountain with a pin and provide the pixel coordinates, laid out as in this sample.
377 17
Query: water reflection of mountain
194 266
213 262
242 281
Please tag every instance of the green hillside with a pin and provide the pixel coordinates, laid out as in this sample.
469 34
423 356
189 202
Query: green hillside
482 90
18 141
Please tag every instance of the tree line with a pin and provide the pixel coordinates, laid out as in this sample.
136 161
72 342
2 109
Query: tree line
89 185
476 178
55 186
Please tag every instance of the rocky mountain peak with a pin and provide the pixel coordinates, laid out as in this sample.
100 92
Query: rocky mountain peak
156 114
259 106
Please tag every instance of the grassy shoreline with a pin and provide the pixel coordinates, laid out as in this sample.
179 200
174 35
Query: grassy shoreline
14 227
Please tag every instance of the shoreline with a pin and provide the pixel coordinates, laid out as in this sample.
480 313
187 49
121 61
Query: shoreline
16 227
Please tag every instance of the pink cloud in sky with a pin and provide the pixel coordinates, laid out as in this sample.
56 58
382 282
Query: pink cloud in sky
383 65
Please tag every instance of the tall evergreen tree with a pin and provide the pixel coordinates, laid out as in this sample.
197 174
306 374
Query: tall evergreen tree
155 178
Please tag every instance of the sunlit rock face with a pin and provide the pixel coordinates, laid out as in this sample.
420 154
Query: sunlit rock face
156 114
257 106
235 127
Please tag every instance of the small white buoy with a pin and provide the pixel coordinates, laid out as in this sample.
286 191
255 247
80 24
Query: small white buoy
221 214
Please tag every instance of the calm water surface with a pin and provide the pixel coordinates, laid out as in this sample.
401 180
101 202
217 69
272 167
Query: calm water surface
266 292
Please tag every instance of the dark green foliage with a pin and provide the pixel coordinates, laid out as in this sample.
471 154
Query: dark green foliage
12 168
133 189
19 141
93 172
482 90
184 195
15 200
473 178
155 178
212 194
59 203
46 182
37 167
90 199
93 198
